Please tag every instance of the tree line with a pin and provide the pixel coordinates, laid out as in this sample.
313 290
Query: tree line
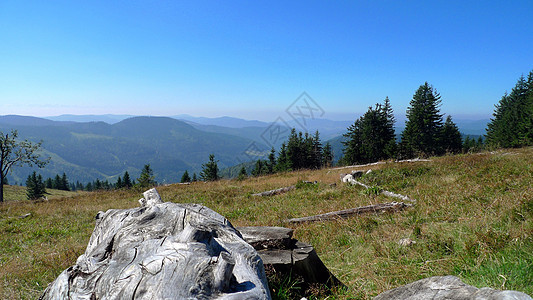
370 138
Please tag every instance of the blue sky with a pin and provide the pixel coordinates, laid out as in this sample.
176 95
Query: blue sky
252 59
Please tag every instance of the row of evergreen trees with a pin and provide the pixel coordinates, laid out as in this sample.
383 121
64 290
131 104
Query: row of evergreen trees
512 125
372 137
300 151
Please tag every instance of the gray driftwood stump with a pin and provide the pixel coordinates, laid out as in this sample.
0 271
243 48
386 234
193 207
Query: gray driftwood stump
163 251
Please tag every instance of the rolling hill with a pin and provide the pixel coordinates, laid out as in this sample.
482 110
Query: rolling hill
89 150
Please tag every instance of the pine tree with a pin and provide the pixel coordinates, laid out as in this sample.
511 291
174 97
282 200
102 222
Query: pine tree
185 177
271 161
64 183
210 170
35 187
317 152
371 137
57 182
512 125
282 163
194 177
327 157
126 180
146 179
451 137
422 133
119 183
242 174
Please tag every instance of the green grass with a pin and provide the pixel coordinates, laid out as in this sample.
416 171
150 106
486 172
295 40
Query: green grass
473 219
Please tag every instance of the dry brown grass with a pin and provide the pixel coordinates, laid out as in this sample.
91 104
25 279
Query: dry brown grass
473 219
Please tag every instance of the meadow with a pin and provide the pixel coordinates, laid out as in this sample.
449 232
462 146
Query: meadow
473 218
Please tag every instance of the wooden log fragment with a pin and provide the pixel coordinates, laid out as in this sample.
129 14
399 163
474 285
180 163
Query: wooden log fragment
276 191
392 206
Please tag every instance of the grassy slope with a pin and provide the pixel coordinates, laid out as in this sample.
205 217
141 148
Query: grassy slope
473 219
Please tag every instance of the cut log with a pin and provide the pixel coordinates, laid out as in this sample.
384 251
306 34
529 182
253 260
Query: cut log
163 251
393 206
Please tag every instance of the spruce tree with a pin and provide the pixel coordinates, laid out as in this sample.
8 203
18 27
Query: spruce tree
64 183
35 187
242 174
271 161
327 157
146 179
371 137
194 177
512 125
451 137
185 177
282 163
210 170
126 180
422 133
119 183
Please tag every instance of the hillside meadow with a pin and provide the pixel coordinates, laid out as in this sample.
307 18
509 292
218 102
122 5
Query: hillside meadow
473 218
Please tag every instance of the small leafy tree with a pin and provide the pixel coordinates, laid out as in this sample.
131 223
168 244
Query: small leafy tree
210 170
185 177
35 187
146 179
15 153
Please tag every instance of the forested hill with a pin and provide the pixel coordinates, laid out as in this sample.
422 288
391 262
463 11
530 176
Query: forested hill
90 150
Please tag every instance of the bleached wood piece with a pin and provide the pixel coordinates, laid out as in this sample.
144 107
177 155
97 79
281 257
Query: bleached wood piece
392 206
163 251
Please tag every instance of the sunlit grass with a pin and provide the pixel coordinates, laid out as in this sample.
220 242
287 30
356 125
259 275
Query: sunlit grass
473 219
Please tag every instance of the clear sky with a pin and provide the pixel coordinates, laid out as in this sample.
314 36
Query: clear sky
252 59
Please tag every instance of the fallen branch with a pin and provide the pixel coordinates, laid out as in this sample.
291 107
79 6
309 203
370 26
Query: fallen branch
384 192
276 191
281 190
384 162
393 206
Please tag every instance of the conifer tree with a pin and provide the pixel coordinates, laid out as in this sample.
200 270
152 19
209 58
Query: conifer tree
194 177
422 133
210 170
119 183
327 158
451 137
185 177
126 181
512 125
371 137
64 183
242 174
282 163
35 187
146 179
271 161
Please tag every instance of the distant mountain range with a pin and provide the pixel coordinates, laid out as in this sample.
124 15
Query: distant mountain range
87 147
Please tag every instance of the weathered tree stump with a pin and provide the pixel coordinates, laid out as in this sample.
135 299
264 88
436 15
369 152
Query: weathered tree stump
288 256
163 251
